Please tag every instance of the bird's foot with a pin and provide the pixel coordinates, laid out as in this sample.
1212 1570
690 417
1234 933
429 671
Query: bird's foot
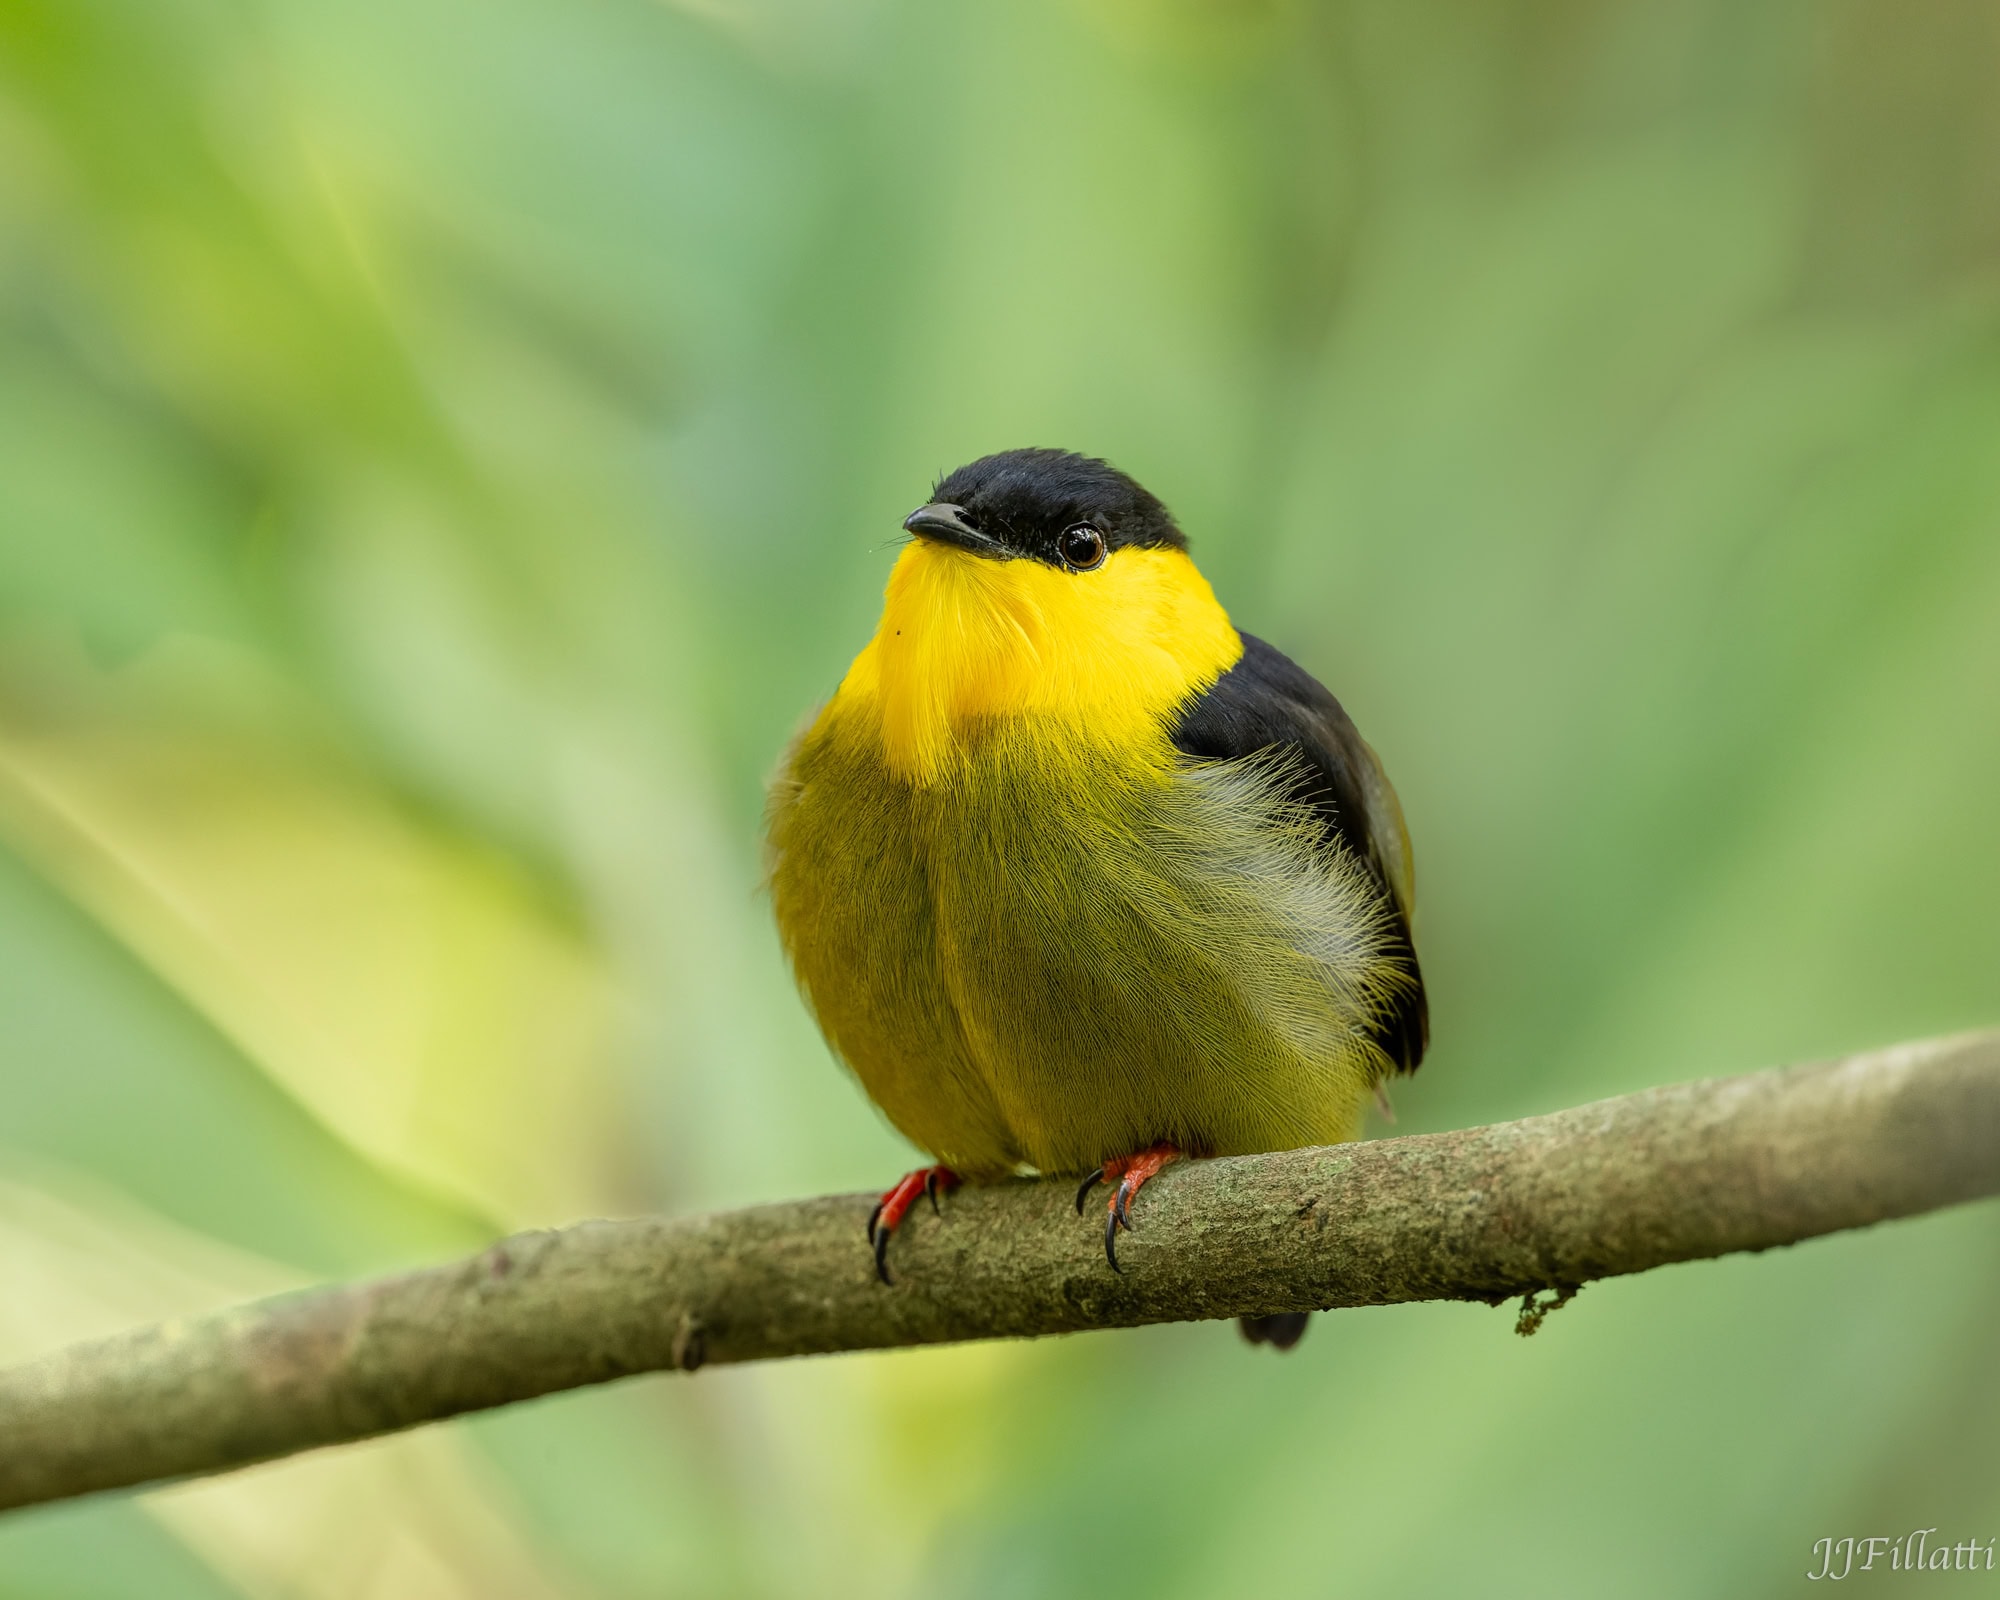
890 1210
1130 1174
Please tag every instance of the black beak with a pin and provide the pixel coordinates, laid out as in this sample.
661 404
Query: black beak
944 523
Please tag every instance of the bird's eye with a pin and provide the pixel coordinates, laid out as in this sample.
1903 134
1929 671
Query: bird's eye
1081 547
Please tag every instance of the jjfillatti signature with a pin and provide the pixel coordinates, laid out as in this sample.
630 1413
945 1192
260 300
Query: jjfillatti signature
1912 1553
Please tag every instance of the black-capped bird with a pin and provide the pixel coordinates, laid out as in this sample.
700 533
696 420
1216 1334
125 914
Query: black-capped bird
1075 876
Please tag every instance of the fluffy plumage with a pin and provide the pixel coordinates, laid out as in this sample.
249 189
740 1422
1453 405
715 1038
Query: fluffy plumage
1067 866
1269 702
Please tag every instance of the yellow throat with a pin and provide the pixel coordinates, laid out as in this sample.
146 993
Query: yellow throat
1102 656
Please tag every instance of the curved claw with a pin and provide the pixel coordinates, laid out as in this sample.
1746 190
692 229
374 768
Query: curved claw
890 1210
1083 1189
1131 1172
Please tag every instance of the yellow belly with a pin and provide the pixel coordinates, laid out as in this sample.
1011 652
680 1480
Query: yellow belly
1058 955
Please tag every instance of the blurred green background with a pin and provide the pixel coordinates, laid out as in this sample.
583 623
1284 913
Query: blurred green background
444 449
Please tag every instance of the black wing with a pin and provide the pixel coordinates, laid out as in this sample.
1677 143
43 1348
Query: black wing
1267 700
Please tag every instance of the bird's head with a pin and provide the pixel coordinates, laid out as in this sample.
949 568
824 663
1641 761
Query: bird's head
1068 512
1046 594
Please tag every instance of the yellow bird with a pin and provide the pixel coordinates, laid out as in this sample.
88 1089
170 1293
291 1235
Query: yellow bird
1078 878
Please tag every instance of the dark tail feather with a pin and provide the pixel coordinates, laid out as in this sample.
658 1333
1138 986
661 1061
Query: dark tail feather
1281 1331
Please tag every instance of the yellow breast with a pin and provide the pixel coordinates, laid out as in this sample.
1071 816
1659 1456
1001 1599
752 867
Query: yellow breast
1101 657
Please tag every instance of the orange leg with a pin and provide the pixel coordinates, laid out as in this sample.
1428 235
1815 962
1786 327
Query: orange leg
1130 1174
890 1210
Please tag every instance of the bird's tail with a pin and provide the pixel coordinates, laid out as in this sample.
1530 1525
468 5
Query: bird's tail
1281 1331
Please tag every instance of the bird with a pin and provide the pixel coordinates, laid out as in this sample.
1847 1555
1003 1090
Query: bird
1076 878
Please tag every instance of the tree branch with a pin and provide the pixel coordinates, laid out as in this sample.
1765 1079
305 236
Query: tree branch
1550 1202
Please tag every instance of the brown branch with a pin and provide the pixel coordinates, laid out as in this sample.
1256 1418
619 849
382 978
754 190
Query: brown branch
1696 1170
